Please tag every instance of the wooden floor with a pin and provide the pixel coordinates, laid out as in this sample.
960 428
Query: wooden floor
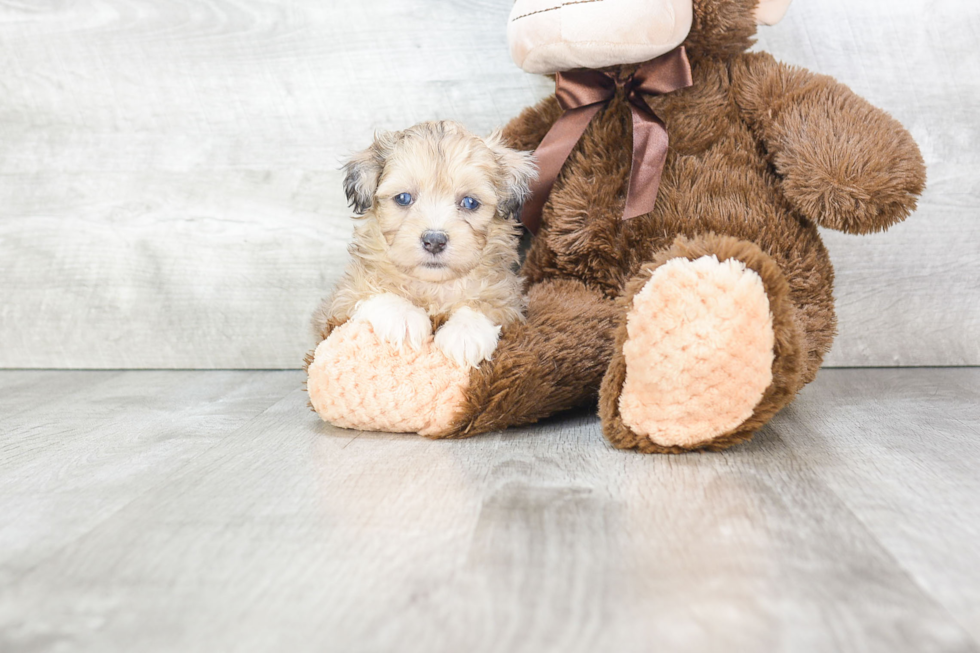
209 511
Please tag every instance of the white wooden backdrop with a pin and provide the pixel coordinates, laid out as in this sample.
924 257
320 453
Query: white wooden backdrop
169 192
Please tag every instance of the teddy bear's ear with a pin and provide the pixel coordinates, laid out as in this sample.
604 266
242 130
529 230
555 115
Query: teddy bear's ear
363 171
770 12
517 171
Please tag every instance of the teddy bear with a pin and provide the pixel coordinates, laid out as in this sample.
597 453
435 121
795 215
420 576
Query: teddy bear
676 276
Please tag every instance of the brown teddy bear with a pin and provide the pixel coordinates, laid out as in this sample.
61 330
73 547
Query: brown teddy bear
685 285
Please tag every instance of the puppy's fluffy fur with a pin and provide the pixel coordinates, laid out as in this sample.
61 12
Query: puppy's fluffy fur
466 188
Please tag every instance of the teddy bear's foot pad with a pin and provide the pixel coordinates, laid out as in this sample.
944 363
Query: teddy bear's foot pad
699 351
358 382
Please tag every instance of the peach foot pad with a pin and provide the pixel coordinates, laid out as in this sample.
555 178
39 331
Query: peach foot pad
358 382
699 353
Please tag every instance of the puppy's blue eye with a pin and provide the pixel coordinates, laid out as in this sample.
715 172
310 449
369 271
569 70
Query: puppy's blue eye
469 204
403 199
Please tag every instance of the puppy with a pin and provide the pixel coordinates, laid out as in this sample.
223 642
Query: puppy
436 239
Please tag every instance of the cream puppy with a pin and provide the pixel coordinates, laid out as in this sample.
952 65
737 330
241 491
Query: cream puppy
436 239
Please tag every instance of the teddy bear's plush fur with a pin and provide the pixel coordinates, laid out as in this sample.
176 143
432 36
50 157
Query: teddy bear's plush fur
760 154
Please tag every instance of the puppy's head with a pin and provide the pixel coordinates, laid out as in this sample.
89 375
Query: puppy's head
439 194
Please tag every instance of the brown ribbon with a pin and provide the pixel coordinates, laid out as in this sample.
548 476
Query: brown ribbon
582 93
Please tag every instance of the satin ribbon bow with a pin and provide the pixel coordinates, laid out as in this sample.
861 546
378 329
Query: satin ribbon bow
582 93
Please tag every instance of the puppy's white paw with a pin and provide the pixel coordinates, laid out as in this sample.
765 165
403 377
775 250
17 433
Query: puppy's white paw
395 320
468 337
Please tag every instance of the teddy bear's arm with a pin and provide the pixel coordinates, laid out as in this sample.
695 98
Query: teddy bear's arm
528 129
844 163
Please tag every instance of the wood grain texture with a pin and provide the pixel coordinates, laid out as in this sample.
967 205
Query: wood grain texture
73 444
169 192
914 486
287 534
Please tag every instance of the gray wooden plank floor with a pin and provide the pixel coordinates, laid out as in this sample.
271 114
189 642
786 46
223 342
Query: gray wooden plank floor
210 511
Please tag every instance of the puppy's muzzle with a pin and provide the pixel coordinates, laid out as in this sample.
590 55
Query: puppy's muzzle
434 241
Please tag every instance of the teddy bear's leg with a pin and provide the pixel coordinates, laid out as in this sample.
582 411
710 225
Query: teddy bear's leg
552 362
709 349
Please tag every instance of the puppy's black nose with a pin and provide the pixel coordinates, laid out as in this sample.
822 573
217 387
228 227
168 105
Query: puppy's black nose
434 241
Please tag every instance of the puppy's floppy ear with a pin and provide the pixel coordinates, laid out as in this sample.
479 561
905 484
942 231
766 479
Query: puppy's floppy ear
363 171
517 171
